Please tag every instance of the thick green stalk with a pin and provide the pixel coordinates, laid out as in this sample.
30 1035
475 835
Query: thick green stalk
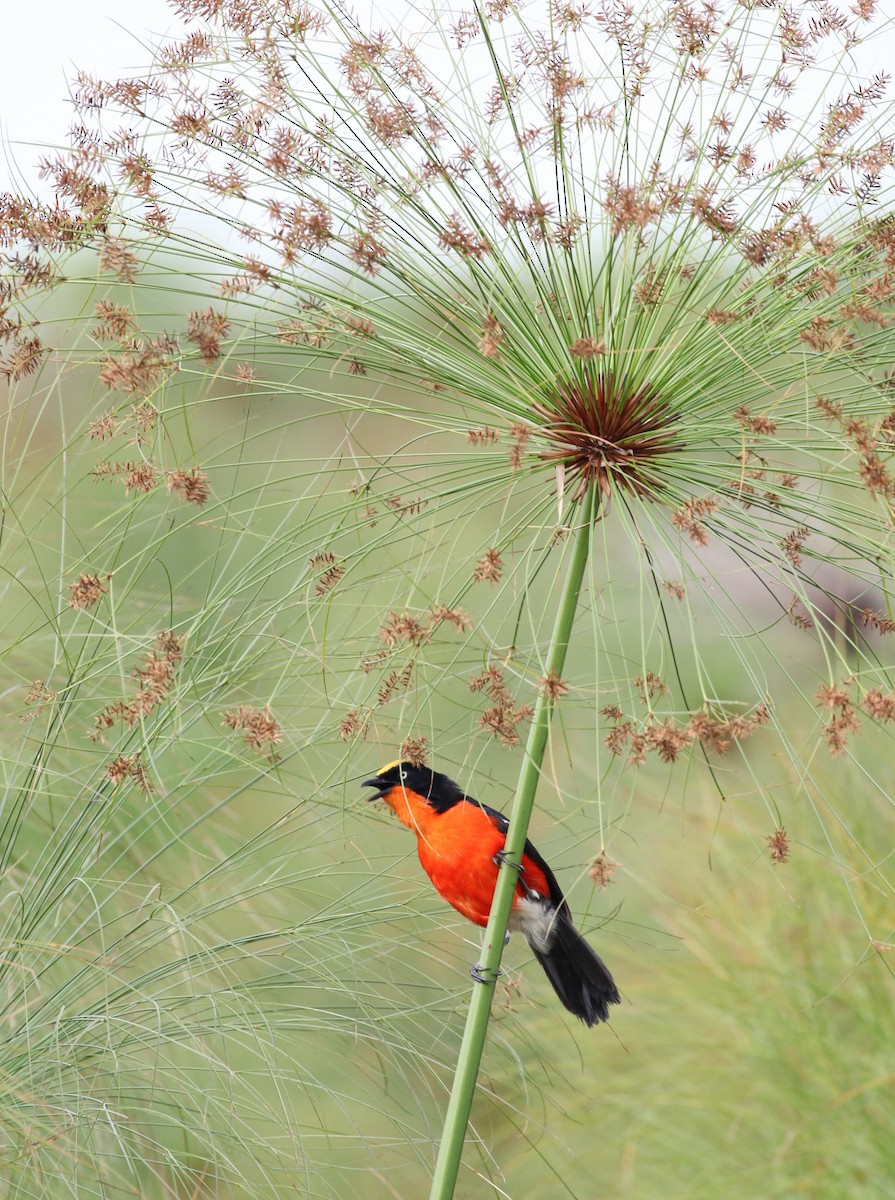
457 1117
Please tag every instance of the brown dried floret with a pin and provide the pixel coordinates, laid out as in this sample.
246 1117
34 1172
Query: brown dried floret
792 544
602 870
414 750
482 437
879 705
489 567
86 590
881 622
261 729
139 368
395 684
37 699
443 614
191 486
492 338
129 767
405 627
844 721
754 424
587 348
353 726
778 845
503 715
103 428
519 436
206 329
115 321
553 686
689 518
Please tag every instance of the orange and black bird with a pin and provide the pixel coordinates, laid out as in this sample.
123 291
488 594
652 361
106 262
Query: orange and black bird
460 843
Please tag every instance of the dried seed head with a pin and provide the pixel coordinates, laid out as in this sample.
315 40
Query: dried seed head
414 750
85 591
602 431
778 844
602 870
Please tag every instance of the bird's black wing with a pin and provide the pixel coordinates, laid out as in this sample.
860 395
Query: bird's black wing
502 823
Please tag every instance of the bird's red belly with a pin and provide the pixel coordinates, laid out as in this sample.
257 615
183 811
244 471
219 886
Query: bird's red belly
462 868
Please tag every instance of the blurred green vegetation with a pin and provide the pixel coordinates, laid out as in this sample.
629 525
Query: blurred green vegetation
240 984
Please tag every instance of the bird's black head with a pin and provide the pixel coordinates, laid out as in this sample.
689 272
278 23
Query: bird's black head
439 792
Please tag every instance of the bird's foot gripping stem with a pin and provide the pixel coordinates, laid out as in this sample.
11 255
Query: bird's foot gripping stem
479 975
500 858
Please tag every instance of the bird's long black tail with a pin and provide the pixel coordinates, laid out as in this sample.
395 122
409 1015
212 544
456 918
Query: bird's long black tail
579 976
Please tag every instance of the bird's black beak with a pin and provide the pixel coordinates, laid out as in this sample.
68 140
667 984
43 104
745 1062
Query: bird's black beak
381 788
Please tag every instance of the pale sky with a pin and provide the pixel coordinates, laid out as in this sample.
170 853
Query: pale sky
44 44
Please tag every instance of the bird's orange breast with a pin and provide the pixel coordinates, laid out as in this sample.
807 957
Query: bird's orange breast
457 849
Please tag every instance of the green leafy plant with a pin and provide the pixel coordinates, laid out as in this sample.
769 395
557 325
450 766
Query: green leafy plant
586 315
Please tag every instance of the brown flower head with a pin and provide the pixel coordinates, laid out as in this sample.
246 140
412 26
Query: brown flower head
85 591
602 430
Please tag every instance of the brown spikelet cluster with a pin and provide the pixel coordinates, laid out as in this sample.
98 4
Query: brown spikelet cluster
603 432
844 720
443 614
395 683
86 590
520 436
104 427
191 486
140 367
553 687
404 627
405 508
367 252
206 329
602 870
882 623
139 476
114 321
36 700
330 570
879 705
763 426
353 726
503 714
689 518
484 436
587 348
798 614
792 545
649 686
675 588
414 750
468 243
155 677
778 845
23 360
489 567
116 257
669 738
260 727
492 338
869 442
130 767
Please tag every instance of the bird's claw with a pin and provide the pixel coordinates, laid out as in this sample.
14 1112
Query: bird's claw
500 859
476 972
